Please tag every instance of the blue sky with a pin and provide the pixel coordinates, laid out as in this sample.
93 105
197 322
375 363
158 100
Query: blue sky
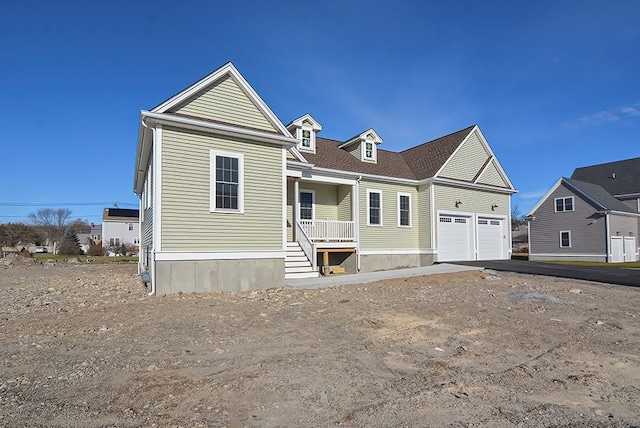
553 85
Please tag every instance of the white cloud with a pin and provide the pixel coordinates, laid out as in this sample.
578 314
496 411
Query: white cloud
599 118
631 111
536 194
609 116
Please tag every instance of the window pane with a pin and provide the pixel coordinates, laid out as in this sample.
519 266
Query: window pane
568 204
559 205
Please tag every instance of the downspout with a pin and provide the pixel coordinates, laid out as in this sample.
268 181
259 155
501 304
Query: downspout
607 241
356 204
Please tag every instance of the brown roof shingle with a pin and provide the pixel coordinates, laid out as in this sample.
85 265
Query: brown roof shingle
416 163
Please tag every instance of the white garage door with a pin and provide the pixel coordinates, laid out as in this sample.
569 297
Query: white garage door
617 249
630 249
454 238
490 239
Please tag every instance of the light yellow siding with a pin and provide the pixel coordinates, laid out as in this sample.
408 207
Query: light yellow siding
389 235
188 224
491 176
344 203
325 202
424 206
467 161
355 150
225 101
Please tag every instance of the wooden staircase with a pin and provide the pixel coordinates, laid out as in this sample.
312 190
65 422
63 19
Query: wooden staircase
296 264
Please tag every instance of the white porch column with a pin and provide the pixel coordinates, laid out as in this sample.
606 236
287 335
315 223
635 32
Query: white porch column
294 209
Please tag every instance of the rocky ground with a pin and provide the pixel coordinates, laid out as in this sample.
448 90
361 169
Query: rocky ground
83 345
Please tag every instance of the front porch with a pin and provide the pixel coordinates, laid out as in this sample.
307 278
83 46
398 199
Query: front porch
321 220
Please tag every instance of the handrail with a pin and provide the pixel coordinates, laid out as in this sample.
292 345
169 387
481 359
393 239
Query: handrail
307 245
329 230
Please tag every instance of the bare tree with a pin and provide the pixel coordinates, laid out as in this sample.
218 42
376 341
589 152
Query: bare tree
12 233
51 221
517 218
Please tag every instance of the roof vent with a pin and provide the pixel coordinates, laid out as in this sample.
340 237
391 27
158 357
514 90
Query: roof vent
613 175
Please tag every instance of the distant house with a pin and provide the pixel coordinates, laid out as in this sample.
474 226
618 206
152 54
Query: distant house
231 198
120 226
592 216
96 233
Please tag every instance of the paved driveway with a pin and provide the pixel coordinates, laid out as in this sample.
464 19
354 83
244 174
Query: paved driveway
608 275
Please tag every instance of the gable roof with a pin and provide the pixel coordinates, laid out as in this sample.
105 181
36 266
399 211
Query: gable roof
416 163
599 195
227 70
426 159
593 193
618 178
329 155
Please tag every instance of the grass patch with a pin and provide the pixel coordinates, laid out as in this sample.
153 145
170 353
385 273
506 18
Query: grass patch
626 265
90 259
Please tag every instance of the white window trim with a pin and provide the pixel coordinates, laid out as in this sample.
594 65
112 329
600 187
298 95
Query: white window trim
312 139
369 191
555 204
212 181
560 235
313 203
363 150
410 210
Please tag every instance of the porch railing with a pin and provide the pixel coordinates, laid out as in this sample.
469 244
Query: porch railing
307 245
328 230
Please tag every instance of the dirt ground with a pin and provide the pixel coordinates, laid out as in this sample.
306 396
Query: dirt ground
83 345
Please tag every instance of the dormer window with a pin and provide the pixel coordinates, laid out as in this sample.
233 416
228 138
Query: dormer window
306 138
304 129
368 150
364 146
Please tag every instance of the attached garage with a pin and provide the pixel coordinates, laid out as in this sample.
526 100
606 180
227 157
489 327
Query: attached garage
454 238
458 239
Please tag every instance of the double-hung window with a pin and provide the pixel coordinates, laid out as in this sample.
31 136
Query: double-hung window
227 183
565 239
374 207
564 204
404 210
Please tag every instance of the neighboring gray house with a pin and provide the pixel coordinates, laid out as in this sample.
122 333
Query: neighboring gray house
592 216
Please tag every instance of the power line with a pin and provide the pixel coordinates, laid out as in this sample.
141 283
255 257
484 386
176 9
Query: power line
64 204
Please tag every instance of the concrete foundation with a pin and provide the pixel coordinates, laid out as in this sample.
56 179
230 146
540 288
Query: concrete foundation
377 262
563 257
206 276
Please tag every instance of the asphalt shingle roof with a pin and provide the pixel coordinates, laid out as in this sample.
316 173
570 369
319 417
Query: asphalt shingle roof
416 163
600 195
626 173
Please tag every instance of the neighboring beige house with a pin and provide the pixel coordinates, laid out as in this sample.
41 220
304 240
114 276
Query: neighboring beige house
120 226
232 199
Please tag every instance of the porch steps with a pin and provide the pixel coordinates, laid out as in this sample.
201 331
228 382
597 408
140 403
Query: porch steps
296 264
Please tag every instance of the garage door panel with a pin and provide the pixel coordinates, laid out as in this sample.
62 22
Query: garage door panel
490 239
454 238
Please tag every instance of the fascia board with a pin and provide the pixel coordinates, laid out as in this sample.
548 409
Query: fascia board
142 156
340 173
487 147
298 122
623 213
628 195
299 165
544 198
216 128
583 195
296 154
